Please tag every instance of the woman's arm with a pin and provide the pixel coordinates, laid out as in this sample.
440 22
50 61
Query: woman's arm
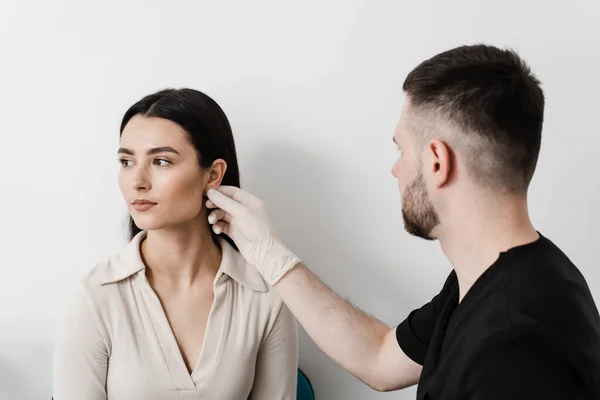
80 353
276 372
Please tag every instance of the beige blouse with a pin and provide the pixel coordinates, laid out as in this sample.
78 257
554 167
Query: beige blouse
116 342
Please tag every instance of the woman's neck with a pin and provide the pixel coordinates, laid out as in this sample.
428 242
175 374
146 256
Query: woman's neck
182 255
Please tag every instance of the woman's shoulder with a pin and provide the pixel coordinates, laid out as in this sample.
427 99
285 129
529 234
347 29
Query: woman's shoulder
91 303
105 277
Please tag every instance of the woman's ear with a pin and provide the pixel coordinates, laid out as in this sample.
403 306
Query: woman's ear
216 173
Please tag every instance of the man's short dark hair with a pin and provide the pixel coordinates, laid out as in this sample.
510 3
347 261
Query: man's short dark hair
494 100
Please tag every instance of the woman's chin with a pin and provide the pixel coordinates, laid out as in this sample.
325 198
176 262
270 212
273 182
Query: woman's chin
150 224
153 223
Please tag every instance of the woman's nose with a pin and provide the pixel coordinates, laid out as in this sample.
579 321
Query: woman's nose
141 179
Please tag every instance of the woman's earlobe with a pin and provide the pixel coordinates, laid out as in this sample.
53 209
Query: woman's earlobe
211 185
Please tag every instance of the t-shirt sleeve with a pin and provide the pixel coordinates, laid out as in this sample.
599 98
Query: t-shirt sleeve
414 333
527 367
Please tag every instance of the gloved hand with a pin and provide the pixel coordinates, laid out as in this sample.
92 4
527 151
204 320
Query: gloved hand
244 219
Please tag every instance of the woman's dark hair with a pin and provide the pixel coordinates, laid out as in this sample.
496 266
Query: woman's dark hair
204 122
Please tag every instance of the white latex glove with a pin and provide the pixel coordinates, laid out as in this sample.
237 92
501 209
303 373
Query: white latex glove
244 219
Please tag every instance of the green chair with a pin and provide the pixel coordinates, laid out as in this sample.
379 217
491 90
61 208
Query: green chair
305 390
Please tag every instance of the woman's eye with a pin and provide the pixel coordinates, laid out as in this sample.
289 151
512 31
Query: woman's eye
161 163
125 162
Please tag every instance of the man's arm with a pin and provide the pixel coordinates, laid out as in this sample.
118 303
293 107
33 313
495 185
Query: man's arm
361 344
358 342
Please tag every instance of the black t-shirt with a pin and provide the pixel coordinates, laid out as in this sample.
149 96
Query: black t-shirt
527 329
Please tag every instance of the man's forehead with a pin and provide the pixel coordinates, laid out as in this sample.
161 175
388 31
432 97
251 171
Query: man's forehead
398 131
402 126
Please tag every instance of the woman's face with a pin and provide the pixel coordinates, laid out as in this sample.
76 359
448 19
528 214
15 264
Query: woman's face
160 178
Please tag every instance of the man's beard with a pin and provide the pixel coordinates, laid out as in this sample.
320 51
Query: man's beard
418 212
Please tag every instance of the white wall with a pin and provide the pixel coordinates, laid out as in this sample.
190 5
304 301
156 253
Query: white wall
313 91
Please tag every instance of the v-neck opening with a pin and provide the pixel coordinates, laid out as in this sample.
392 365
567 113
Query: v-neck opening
195 374
206 331
170 347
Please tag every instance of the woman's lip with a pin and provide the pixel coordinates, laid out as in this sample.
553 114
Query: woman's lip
143 206
143 202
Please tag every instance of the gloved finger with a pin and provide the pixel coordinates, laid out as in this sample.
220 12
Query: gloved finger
238 194
218 215
224 202
210 204
221 227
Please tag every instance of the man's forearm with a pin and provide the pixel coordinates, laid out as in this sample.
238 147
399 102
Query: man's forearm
349 336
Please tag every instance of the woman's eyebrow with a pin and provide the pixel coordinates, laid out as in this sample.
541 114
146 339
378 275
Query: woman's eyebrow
123 150
162 149
155 150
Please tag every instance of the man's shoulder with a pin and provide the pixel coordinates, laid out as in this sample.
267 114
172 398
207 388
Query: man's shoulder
541 296
537 286
544 260
546 279
537 276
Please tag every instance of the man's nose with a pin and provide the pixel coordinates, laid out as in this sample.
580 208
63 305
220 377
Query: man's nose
395 170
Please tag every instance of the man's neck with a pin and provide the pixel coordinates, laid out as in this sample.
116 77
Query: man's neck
473 240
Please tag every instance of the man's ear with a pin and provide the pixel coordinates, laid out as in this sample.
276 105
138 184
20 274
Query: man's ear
216 173
441 162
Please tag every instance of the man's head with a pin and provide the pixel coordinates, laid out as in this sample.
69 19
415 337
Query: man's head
472 121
